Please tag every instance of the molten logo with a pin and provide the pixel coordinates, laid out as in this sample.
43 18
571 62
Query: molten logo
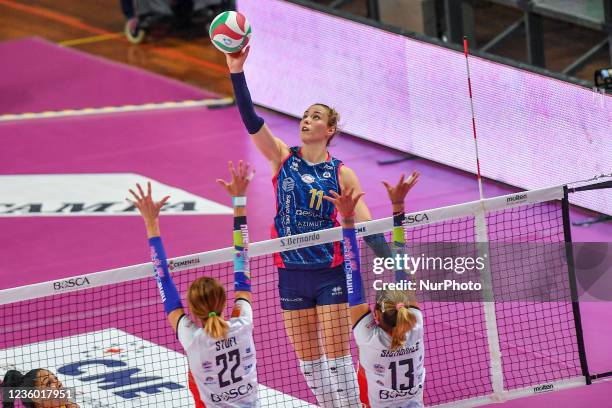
543 388
516 198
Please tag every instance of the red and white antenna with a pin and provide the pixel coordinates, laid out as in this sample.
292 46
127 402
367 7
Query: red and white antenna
467 63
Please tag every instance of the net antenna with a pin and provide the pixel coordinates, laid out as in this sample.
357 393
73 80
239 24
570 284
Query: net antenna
482 238
467 64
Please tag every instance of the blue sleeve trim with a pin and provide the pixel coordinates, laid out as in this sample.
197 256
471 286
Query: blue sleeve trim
167 290
252 122
352 268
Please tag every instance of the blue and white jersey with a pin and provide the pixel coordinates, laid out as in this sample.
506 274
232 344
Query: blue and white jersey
300 208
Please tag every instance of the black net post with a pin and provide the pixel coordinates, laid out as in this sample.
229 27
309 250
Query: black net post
572 280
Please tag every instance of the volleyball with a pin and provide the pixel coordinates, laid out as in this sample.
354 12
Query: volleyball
230 32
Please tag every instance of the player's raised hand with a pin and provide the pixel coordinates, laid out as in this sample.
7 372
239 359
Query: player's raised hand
345 202
398 193
148 208
241 178
235 61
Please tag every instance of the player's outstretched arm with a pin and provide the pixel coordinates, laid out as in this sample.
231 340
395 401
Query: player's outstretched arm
237 188
273 149
397 196
345 204
149 209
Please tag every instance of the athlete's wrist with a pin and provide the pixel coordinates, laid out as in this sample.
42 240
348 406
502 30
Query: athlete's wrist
239 200
152 227
398 207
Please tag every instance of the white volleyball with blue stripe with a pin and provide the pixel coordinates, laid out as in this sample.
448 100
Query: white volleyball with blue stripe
230 32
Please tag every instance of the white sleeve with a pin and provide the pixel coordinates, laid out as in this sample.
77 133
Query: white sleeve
185 331
364 329
418 314
246 311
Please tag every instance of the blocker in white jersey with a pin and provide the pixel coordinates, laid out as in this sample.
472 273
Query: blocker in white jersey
224 369
394 377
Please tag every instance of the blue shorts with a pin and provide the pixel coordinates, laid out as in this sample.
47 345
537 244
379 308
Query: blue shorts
304 289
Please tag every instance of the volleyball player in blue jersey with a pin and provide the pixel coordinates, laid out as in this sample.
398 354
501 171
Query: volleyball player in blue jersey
220 344
390 342
311 281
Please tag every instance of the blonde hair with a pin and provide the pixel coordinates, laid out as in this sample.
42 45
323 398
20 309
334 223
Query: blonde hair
332 121
393 305
206 299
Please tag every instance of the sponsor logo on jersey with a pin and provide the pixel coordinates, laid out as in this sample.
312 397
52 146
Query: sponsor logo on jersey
400 352
288 185
247 367
328 167
337 291
207 366
327 174
393 394
516 198
70 283
379 369
180 264
247 350
308 178
379 382
419 217
311 224
209 380
543 388
232 394
304 212
294 165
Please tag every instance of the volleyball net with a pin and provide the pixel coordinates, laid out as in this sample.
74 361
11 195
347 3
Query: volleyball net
106 334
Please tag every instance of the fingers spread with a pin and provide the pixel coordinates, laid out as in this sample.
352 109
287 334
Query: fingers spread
142 195
134 194
163 201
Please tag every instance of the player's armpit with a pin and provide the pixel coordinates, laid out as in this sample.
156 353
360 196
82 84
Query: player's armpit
357 312
174 317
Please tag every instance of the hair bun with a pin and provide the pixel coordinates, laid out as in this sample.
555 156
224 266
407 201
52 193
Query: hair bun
12 378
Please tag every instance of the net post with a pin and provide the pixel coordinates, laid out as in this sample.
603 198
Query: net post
482 238
569 253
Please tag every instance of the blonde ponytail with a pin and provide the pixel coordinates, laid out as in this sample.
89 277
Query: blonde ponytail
206 299
216 327
405 321
395 315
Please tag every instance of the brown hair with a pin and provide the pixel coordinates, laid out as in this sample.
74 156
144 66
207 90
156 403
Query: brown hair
393 305
206 299
332 121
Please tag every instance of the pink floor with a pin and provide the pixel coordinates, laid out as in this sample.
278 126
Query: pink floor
189 149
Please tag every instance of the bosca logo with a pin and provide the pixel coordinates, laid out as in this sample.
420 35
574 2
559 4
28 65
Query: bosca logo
419 217
232 394
70 283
